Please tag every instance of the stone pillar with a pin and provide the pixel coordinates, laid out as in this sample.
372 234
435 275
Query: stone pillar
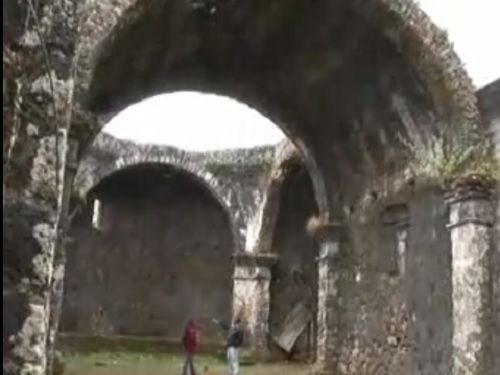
471 221
251 298
330 262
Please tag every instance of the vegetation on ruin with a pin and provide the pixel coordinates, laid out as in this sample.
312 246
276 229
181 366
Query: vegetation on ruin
452 155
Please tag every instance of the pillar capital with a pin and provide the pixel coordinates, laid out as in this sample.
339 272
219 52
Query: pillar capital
467 191
470 203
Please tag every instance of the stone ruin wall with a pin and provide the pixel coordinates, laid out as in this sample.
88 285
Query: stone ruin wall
395 308
400 322
95 256
162 257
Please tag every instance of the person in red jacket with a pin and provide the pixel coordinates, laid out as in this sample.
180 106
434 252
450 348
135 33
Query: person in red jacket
190 341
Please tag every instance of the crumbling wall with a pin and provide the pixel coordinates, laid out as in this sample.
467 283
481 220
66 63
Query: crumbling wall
395 293
162 257
37 88
373 312
428 285
294 276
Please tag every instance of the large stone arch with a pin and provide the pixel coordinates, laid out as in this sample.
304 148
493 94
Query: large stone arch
409 58
288 160
341 78
402 21
295 274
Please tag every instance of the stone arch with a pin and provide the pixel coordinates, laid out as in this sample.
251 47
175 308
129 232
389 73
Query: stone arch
289 158
108 155
294 279
402 21
408 55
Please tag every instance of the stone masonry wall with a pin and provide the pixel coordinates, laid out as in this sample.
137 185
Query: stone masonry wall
395 307
162 257
37 99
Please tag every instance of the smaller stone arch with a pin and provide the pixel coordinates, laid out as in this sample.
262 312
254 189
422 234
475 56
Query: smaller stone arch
108 155
288 158
158 234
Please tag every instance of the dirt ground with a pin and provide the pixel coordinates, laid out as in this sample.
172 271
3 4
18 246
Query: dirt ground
115 363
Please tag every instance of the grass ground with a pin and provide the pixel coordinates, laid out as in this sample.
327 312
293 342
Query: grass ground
130 363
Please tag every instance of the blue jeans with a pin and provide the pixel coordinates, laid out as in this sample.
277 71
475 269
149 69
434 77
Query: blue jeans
233 359
189 364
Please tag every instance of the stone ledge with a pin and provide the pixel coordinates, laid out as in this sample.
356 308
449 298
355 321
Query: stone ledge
470 220
469 191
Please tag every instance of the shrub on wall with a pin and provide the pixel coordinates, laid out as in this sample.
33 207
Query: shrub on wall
447 153
452 154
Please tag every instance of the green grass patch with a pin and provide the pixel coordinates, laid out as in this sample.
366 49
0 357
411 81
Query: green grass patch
131 363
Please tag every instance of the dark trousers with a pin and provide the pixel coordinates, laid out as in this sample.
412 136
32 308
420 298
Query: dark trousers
189 364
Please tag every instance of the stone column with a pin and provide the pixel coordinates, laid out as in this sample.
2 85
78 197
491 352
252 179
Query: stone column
251 298
330 263
471 221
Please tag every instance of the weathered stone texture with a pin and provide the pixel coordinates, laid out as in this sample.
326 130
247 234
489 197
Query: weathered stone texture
372 310
471 220
163 253
489 103
496 287
392 319
327 352
428 284
251 298
26 236
39 86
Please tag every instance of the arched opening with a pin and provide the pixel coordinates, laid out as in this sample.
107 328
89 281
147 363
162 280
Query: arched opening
328 74
294 285
160 255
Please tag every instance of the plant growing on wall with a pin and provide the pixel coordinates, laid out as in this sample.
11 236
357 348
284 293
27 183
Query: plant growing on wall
452 154
449 153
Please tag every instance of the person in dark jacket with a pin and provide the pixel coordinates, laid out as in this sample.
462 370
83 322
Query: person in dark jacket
190 342
233 345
